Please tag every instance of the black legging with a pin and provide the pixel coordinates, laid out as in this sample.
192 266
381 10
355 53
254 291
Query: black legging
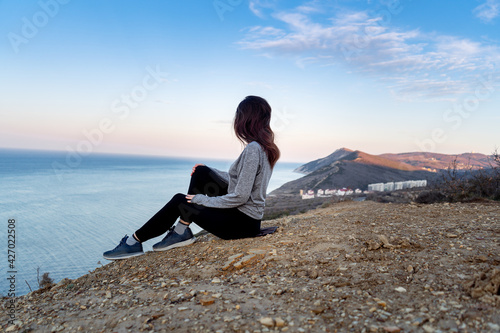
226 223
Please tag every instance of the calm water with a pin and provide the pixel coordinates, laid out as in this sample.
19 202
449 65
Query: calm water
68 212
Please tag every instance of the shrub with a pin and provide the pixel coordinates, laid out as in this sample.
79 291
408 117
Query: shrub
468 184
432 196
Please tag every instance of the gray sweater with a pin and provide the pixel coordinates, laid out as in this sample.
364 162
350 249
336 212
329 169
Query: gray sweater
247 180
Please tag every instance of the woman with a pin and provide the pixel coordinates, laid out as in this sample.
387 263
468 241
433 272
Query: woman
230 204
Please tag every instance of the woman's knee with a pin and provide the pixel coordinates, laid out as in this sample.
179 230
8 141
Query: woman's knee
178 199
201 171
205 181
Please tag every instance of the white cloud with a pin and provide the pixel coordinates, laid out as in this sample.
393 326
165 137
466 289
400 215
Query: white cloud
487 11
254 8
258 6
367 45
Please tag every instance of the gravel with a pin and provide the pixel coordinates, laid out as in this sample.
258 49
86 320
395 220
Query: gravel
350 267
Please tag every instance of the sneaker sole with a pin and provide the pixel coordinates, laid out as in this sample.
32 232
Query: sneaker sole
180 244
125 256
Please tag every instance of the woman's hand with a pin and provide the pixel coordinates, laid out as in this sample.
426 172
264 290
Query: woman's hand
189 197
195 166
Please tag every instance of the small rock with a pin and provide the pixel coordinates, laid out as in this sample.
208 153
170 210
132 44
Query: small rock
108 294
231 260
207 301
400 289
494 327
266 321
258 251
279 322
418 321
246 260
482 258
318 309
57 328
428 328
392 329
385 241
216 280
63 282
373 245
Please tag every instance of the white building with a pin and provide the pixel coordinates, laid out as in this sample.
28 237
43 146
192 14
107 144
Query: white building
393 186
376 187
329 192
308 195
398 186
389 186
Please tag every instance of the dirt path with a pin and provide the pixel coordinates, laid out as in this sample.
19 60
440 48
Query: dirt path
350 267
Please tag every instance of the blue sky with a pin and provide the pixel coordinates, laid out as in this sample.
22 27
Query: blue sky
165 77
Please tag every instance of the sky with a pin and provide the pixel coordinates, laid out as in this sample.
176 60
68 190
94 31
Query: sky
165 77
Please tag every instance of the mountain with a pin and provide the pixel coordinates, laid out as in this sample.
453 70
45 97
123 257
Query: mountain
323 162
356 169
435 162
353 169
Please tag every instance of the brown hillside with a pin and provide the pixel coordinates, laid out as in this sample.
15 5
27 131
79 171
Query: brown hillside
353 170
365 158
441 161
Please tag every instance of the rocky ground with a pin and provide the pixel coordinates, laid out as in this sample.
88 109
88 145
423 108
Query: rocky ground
349 267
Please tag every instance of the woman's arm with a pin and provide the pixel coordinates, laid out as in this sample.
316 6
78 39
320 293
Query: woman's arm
222 174
247 171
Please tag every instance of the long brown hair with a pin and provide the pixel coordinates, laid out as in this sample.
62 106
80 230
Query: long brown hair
252 123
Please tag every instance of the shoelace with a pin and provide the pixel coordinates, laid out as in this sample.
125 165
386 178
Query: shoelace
124 239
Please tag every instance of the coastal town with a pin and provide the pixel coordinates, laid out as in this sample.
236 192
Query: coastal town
377 187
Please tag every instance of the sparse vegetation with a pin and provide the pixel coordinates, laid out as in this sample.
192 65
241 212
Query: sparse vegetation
432 196
46 280
462 185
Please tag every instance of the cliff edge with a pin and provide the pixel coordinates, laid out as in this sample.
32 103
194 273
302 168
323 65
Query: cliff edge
352 266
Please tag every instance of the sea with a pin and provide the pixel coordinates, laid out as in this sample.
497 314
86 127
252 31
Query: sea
59 212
